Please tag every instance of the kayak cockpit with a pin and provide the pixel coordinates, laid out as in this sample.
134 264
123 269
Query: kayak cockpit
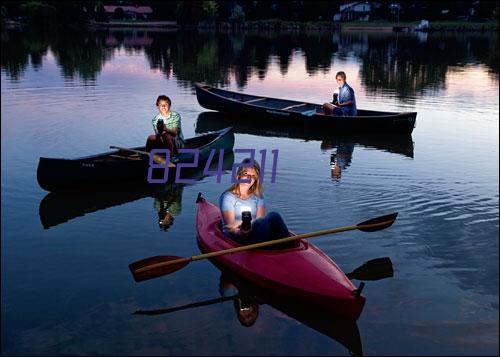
288 246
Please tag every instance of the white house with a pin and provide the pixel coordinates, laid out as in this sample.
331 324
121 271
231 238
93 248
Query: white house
354 10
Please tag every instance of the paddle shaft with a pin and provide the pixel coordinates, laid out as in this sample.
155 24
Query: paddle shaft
256 245
131 150
158 158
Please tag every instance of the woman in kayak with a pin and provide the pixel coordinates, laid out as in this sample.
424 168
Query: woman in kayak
244 198
167 128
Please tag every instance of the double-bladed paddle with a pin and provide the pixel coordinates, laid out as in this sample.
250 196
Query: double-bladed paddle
185 307
157 266
158 159
374 269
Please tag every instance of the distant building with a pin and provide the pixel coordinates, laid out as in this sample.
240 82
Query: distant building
354 11
129 12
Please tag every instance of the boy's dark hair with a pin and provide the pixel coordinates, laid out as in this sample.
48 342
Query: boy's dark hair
165 98
341 74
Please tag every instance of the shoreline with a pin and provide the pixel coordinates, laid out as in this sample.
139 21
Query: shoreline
321 26
117 23
274 25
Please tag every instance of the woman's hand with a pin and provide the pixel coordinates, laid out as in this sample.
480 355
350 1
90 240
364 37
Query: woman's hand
232 225
244 233
236 229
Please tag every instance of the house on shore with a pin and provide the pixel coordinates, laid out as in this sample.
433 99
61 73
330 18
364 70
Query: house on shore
354 11
128 12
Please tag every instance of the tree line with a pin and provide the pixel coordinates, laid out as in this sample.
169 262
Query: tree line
56 13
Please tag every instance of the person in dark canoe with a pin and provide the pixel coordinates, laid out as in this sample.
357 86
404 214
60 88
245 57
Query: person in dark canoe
344 102
245 199
167 128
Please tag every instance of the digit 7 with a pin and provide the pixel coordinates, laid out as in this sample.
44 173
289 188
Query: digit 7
237 165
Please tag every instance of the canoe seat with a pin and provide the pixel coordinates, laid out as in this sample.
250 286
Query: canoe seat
294 106
255 100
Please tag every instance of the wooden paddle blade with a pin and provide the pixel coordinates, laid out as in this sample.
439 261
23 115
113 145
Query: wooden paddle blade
141 274
375 269
161 160
377 224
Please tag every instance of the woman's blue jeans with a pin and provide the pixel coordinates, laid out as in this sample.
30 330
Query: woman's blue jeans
266 228
269 227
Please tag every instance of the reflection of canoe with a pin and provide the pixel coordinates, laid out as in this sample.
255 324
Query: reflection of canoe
118 166
61 206
289 112
342 330
212 121
302 273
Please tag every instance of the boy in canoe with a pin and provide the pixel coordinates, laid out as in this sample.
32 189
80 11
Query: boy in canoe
344 103
167 128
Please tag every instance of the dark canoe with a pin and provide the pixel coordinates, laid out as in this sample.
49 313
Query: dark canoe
397 144
290 112
61 206
118 166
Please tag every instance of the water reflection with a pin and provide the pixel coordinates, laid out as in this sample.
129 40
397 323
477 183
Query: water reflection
168 204
62 206
340 159
340 143
247 299
403 63
398 144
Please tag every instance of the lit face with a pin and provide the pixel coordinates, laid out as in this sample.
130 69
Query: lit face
163 107
336 172
340 81
248 174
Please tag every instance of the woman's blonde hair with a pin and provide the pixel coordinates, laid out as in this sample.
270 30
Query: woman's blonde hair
256 187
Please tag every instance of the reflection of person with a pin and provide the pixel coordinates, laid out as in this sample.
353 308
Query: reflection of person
344 103
246 308
167 128
247 197
341 159
168 204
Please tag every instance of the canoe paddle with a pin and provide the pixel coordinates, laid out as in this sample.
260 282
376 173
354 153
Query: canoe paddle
374 269
158 159
157 266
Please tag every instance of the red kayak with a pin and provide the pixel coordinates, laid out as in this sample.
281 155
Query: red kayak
302 273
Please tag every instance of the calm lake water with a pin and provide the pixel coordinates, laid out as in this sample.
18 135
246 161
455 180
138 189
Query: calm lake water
66 286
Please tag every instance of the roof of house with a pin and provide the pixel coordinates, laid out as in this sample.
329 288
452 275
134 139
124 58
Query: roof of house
350 4
136 9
